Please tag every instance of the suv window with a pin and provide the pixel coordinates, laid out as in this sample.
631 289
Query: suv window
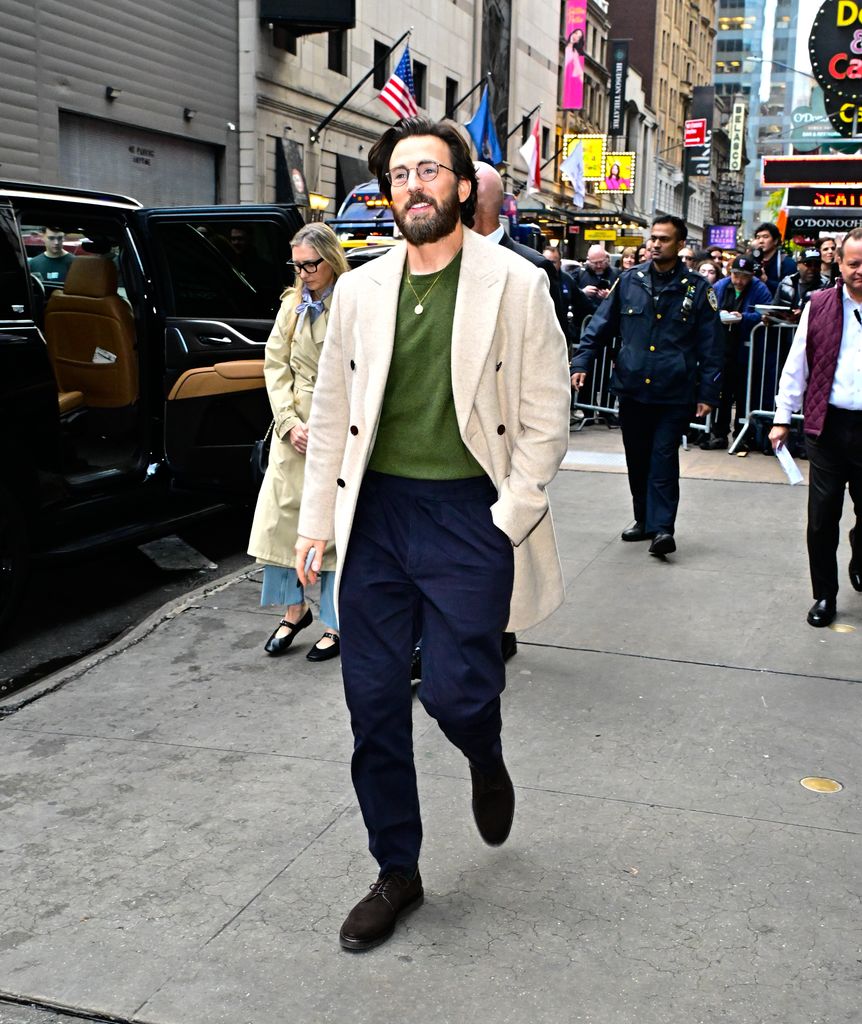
219 270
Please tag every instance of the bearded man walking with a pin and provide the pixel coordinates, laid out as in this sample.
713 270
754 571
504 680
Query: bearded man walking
440 417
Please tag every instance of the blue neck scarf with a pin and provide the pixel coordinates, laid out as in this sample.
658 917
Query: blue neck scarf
310 306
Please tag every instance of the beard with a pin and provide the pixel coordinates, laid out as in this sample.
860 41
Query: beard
433 226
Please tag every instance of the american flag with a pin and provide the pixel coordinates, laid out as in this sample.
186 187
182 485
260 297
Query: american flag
398 93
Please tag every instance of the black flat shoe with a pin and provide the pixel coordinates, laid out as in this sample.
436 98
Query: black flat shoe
509 646
279 644
325 653
663 544
822 612
636 531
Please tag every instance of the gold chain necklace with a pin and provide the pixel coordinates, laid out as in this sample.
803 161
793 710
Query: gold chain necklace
419 308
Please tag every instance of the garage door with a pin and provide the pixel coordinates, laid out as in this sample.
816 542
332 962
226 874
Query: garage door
156 169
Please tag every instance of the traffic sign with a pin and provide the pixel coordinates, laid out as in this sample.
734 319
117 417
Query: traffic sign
695 132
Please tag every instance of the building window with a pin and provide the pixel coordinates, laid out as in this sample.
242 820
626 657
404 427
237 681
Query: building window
283 40
451 95
338 52
546 138
420 78
381 64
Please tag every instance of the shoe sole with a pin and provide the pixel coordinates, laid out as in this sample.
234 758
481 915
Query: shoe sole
361 945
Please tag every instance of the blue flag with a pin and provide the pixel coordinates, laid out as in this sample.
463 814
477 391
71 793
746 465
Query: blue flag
481 129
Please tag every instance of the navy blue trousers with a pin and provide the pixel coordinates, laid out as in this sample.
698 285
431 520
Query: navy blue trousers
424 559
651 437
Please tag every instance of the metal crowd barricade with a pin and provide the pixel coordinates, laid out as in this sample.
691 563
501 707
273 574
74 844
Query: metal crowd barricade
768 348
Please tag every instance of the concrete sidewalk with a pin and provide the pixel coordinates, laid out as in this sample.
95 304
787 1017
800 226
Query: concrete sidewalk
180 840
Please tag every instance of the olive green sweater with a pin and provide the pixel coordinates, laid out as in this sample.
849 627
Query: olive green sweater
418 435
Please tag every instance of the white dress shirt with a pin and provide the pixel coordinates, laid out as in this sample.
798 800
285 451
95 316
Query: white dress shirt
846 390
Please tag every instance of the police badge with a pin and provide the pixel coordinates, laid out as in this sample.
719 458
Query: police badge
713 301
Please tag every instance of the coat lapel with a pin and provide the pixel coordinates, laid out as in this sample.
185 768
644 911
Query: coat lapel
376 313
480 291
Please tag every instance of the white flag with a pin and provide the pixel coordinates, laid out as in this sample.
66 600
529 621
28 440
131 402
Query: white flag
530 153
573 168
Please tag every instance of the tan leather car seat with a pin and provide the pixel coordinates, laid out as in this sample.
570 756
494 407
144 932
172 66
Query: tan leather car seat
85 316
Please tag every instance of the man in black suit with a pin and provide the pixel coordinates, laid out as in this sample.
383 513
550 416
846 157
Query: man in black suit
489 203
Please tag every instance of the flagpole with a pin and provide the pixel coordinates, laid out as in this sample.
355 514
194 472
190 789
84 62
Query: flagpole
463 99
526 117
314 133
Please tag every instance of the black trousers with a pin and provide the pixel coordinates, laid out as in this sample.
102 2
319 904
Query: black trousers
835 460
651 438
424 559
734 378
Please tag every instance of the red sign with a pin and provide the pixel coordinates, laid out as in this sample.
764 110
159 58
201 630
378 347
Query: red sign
695 132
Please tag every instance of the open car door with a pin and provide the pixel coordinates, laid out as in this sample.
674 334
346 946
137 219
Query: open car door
222 271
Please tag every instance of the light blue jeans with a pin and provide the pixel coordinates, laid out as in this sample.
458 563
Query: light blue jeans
281 586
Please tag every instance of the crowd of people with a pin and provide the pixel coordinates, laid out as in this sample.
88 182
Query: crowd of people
420 411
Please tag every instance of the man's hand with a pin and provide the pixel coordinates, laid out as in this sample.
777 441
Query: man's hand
590 290
778 437
578 380
702 409
298 437
303 546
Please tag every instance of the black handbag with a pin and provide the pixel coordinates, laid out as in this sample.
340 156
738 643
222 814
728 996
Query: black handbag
260 458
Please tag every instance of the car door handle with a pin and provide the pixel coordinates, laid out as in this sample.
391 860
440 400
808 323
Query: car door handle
215 341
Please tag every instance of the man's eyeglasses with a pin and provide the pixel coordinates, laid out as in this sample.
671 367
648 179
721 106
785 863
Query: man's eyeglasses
309 266
426 170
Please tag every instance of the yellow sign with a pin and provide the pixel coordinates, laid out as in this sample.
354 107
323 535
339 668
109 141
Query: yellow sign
594 154
634 240
618 174
600 235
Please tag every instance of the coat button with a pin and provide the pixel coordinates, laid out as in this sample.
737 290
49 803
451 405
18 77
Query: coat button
647 381
658 316
340 482
501 429
352 365
652 348
354 431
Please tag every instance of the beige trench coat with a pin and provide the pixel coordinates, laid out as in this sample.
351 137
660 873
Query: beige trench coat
290 367
510 382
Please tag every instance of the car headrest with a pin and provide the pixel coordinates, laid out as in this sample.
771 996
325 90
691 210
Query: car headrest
94 277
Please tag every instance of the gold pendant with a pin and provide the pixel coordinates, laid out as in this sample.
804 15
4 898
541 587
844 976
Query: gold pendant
418 308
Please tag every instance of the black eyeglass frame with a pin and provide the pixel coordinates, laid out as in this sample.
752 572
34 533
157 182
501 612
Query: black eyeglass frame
305 265
422 176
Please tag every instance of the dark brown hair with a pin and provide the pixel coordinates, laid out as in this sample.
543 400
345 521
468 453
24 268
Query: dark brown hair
462 164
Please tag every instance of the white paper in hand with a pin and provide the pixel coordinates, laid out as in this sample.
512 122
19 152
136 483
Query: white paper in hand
788 465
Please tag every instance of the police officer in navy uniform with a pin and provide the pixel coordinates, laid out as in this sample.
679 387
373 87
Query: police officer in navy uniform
669 361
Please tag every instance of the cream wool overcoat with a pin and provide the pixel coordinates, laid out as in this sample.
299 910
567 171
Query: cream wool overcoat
511 386
290 367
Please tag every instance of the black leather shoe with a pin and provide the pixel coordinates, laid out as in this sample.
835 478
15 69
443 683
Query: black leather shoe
318 653
822 612
493 804
855 570
279 644
636 531
509 645
373 918
663 544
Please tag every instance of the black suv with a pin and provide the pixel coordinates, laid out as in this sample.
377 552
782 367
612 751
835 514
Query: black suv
131 377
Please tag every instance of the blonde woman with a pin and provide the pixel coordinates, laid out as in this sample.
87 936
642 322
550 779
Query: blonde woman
628 257
290 367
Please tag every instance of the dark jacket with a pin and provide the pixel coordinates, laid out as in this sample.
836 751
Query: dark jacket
538 260
793 294
587 276
671 346
776 267
754 294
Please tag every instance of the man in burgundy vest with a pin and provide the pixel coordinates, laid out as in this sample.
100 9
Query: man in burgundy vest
823 375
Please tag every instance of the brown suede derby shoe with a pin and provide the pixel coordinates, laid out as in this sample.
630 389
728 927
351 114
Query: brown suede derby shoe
493 804
373 919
